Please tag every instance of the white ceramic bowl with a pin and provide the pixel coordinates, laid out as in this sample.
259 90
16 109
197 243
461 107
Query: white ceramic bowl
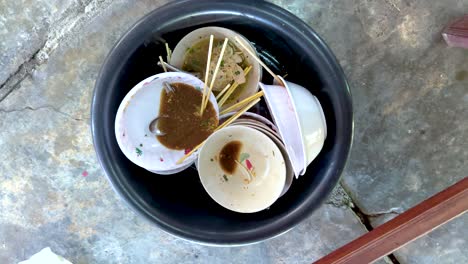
258 154
285 116
139 107
311 119
178 55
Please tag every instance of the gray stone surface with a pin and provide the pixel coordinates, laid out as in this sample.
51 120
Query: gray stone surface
53 192
24 27
410 99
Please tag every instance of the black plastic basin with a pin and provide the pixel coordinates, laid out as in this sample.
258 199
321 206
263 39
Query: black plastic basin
178 203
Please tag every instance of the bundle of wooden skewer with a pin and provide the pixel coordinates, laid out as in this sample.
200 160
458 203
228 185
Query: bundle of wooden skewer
222 97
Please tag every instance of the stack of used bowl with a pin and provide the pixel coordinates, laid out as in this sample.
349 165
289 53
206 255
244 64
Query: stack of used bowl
246 166
273 165
262 171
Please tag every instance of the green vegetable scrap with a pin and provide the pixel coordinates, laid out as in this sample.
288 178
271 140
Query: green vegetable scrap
138 152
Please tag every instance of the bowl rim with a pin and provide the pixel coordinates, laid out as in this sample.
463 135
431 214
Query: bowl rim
297 27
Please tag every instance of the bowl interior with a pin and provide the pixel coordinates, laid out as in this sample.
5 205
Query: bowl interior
136 111
235 190
178 203
179 52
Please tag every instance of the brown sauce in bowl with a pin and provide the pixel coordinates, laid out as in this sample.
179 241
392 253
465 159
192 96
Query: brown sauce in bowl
229 155
180 118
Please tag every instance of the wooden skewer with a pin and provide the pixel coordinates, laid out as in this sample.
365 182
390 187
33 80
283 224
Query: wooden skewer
223 91
233 87
162 63
213 78
258 60
223 125
406 227
247 70
168 53
205 86
241 103
228 93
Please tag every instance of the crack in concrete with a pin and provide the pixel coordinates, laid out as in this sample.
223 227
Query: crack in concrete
44 107
73 20
364 218
340 198
395 211
391 3
17 77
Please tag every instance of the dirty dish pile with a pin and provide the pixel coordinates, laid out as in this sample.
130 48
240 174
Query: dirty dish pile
152 131
245 162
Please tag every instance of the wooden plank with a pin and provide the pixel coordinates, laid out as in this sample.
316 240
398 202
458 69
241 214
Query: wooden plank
406 227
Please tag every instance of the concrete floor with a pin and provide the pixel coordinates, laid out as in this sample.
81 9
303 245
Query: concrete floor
410 95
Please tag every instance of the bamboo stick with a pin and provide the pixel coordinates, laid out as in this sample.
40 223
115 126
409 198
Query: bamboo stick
241 103
213 78
168 53
223 91
208 62
162 63
233 87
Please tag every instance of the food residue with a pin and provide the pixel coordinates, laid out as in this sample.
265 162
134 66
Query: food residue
180 119
231 67
229 155
139 152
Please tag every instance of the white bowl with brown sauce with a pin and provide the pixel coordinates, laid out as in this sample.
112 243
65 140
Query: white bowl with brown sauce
242 169
191 52
179 121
